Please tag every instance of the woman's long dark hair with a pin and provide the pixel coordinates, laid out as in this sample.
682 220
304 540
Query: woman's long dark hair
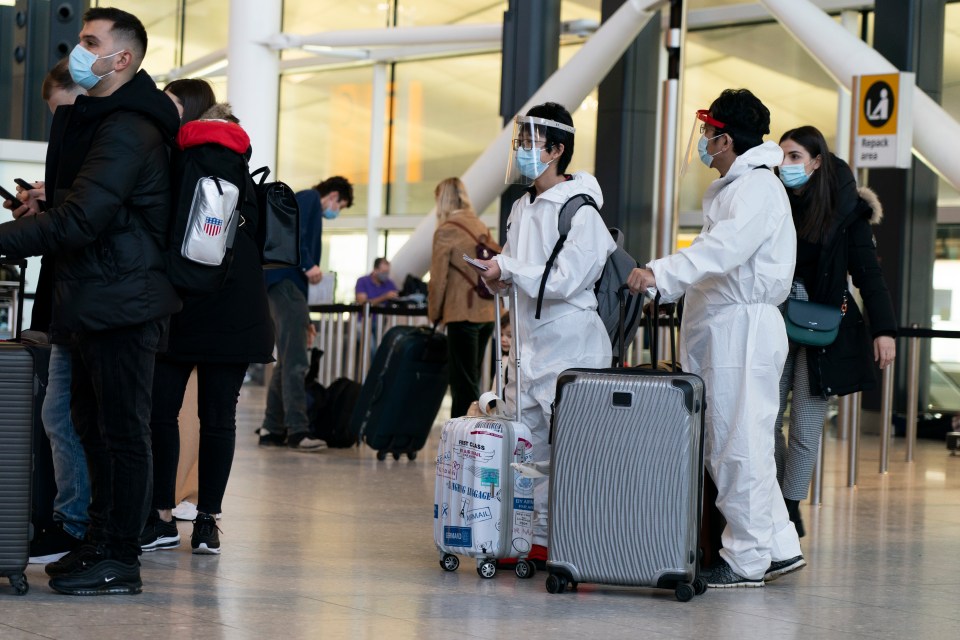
195 95
814 206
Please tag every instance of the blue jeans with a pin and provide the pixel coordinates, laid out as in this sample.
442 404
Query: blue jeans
286 410
111 387
69 462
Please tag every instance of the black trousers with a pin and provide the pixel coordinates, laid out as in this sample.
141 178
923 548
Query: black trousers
218 388
110 403
466 342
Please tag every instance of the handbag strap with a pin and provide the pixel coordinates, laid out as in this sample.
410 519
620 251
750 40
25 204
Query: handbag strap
464 228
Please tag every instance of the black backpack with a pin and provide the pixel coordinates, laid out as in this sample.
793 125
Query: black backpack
329 409
278 234
186 275
615 273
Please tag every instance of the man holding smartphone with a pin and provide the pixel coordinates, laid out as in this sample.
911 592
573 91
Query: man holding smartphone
107 228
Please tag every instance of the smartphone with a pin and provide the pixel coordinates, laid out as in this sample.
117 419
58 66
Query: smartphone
474 263
24 184
7 195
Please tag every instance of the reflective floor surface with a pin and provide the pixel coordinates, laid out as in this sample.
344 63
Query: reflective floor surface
339 545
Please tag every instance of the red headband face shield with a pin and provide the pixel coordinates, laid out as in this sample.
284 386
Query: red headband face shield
701 121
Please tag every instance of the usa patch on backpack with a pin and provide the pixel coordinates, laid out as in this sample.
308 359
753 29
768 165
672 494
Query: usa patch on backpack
211 221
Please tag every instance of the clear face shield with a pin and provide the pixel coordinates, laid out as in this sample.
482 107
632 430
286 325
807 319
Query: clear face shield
699 131
525 163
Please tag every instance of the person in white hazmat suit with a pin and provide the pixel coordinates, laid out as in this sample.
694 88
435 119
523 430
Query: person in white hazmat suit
569 333
734 275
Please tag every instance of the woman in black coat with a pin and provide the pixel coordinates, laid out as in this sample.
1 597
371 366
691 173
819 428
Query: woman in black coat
217 333
834 239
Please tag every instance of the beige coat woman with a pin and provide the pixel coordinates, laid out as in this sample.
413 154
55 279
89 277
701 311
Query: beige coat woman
452 288
453 295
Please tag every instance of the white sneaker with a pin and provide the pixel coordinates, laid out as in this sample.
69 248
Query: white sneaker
306 443
187 511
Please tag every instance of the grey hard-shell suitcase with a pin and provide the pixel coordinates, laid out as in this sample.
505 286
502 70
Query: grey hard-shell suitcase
16 456
626 480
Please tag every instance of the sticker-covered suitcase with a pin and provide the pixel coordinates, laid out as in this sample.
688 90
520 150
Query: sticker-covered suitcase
483 507
626 480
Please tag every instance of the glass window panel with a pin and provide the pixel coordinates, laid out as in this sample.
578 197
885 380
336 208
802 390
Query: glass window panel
580 10
325 130
206 27
345 252
314 16
446 114
161 20
423 12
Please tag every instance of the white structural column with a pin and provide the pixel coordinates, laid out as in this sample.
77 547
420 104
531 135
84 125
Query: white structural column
936 136
850 21
569 86
253 76
378 122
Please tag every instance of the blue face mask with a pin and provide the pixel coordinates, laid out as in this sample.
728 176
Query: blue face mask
529 163
81 67
705 156
330 214
794 175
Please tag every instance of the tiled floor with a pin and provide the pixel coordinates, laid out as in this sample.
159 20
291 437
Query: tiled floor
338 545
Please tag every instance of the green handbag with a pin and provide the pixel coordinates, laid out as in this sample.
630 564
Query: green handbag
811 323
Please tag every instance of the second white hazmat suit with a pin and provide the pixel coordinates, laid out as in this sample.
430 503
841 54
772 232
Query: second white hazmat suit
569 332
734 275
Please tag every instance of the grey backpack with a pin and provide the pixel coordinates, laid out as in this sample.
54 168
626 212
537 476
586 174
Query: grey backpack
614 276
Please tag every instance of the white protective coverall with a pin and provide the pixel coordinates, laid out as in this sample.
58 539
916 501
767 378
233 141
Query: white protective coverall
734 275
569 332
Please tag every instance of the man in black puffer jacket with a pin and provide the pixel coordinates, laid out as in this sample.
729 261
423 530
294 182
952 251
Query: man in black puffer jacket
107 228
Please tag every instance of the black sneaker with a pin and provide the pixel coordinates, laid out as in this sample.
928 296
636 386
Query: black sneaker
721 576
206 535
73 561
783 567
158 534
270 439
52 544
101 577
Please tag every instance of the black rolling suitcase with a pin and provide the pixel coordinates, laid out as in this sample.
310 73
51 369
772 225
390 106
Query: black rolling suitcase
22 382
402 393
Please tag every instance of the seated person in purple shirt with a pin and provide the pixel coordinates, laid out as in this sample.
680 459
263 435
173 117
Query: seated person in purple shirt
377 287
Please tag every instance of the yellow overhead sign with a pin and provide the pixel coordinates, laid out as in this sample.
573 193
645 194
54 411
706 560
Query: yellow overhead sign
881 120
879 100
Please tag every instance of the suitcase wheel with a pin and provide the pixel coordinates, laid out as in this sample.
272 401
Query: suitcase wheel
396 455
525 569
700 585
450 562
685 592
487 569
412 455
556 583
381 455
19 584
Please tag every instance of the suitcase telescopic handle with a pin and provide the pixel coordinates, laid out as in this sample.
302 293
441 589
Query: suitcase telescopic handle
498 357
22 267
